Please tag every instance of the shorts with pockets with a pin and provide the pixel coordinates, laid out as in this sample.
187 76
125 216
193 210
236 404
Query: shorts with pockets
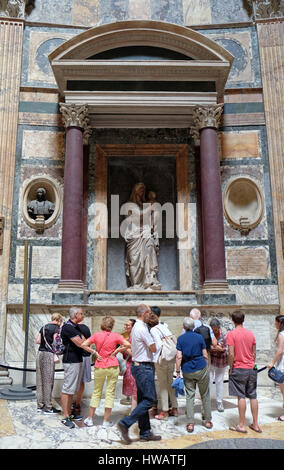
243 383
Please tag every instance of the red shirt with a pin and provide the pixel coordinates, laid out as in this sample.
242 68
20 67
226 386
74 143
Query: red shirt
243 341
106 342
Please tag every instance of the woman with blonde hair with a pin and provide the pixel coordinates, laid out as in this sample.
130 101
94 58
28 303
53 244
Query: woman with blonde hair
106 367
278 359
45 364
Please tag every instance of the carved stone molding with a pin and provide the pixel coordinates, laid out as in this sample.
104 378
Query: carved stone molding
267 8
86 135
207 116
74 115
243 204
194 132
12 8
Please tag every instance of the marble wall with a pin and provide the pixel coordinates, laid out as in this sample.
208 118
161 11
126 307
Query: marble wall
243 143
95 12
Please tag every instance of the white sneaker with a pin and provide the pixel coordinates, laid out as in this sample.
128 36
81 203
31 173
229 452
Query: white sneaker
107 424
88 422
220 407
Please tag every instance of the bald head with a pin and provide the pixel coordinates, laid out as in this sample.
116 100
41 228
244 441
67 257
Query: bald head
195 314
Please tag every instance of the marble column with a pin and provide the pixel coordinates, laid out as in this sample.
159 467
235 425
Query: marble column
206 121
75 119
11 43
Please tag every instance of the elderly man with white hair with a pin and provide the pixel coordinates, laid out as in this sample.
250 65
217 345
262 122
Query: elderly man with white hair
192 358
195 314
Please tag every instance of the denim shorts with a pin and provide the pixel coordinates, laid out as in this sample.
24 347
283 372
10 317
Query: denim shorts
243 383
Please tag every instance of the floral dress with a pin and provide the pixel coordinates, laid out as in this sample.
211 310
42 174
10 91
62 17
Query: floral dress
129 388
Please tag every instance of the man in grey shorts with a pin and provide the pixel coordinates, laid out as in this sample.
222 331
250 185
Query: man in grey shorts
72 363
242 374
87 372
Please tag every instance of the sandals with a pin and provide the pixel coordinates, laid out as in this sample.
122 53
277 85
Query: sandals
280 419
173 412
254 429
208 424
237 429
190 427
163 415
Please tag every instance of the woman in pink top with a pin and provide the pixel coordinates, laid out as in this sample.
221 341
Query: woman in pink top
106 367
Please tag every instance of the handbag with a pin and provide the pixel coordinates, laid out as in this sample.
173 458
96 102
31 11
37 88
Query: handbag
122 363
276 375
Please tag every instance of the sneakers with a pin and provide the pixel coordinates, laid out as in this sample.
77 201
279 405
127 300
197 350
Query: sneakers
88 422
52 411
76 417
107 424
68 422
39 410
220 407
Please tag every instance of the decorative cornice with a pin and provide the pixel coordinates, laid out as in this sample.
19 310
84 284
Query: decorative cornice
266 9
13 8
75 116
207 116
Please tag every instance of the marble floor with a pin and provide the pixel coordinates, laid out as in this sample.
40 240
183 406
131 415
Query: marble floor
21 427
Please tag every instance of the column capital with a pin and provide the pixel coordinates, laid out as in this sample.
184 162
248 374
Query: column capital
13 8
74 115
266 9
207 116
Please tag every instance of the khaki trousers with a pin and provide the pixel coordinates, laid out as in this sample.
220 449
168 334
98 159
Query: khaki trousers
164 372
202 379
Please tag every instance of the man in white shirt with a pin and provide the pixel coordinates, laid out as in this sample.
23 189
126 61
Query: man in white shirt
142 368
164 371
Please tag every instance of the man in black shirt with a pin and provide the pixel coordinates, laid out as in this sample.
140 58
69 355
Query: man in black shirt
86 375
72 362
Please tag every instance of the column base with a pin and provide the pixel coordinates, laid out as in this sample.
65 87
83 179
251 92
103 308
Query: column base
70 292
215 286
216 293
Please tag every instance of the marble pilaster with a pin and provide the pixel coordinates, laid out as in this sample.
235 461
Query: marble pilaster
11 37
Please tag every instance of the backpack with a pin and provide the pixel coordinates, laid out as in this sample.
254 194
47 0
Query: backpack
204 331
57 344
168 348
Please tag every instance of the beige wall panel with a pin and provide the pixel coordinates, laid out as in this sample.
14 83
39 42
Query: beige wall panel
11 36
43 144
196 12
271 49
247 263
239 144
46 262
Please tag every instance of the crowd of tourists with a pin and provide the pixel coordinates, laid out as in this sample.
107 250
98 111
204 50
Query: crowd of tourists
198 357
